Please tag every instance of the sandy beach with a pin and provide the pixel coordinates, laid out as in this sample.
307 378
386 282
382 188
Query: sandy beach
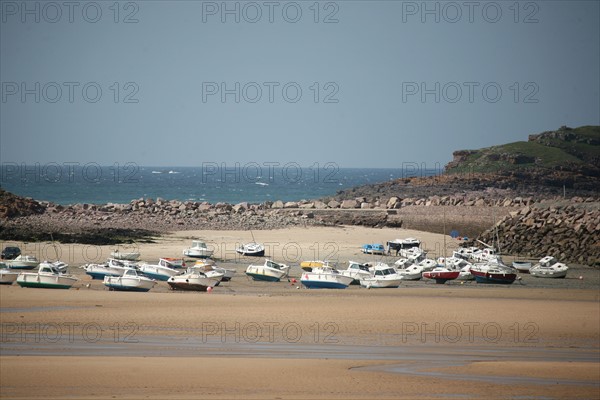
534 338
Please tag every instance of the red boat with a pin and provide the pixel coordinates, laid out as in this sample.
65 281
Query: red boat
441 275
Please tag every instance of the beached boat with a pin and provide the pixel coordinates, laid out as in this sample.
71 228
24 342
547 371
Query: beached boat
22 262
382 276
325 278
269 271
356 271
46 277
170 262
207 264
198 250
549 267
458 264
375 248
411 272
158 272
493 273
251 249
7 276
466 253
309 265
112 267
192 280
441 274
131 281
58 265
522 266
125 255
414 254
401 244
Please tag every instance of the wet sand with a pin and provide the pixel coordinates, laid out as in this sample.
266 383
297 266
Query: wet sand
535 338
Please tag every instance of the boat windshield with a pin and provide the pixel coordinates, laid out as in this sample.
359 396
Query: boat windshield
272 264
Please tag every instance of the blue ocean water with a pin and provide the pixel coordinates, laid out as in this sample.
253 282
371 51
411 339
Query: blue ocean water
72 183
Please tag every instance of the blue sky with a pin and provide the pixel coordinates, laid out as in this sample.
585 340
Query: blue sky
356 83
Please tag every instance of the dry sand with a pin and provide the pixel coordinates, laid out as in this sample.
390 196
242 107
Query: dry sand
270 340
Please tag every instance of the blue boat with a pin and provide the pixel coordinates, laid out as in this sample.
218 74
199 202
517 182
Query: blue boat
373 248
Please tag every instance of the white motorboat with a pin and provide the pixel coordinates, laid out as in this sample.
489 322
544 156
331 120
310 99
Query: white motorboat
414 254
46 277
325 278
198 250
58 265
8 276
403 263
549 267
251 249
171 262
466 253
269 271
22 262
208 264
412 272
210 271
125 255
192 280
112 267
382 276
158 272
356 271
131 281
401 244
228 273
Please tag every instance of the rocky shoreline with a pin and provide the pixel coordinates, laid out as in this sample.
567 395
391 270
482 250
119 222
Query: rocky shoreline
566 228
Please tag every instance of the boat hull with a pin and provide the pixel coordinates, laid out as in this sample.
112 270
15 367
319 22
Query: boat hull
252 253
21 266
381 284
122 288
316 284
555 275
45 282
263 277
8 277
441 277
198 254
128 284
522 267
484 277
198 287
100 275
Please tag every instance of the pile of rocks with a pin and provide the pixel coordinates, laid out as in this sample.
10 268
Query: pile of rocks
568 230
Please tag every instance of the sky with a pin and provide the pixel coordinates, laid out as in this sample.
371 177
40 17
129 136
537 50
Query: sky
366 84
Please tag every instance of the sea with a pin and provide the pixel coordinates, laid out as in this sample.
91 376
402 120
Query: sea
71 183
